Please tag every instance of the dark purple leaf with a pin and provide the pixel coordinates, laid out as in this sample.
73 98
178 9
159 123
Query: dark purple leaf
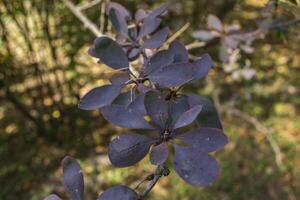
157 39
173 75
194 167
124 98
133 53
157 108
158 11
202 66
73 178
128 149
140 15
127 118
159 154
149 26
138 105
107 51
179 51
209 116
132 32
213 22
118 22
159 60
188 116
120 9
205 139
177 106
52 197
203 35
119 77
142 89
119 192
99 97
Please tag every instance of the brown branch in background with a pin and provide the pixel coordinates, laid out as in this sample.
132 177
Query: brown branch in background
86 22
88 5
176 35
265 130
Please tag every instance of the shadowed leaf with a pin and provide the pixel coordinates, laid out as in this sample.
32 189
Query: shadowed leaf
204 139
118 22
202 66
107 51
159 60
194 167
128 149
149 26
188 116
127 118
179 51
157 39
159 154
73 178
99 97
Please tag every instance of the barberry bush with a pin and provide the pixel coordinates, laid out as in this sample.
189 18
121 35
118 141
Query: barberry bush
145 94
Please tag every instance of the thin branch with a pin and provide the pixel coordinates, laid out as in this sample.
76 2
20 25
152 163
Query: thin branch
195 45
86 22
88 5
176 35
265 130
160 171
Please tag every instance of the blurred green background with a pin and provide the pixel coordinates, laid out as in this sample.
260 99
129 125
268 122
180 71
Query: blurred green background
44 69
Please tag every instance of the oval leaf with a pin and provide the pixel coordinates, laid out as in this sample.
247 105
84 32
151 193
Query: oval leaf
120 9
202 66
118 22
209 116
158 11
124 117
173 75
128 149
203 35
177 106
213 22
157 108
73 178
205 139
140 15
99 97
149 26
107 51
159 154
179 51
157 39
188 116
194 167
119 192
159 60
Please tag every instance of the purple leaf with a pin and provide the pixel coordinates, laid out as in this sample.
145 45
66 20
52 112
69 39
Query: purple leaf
138 105
158 11
179 51
159 154
213 22
118 22
205 139
209 116
133 53
107 51
149 26
73 178
119 192
140 15
157 108
120 9
126 118
202 66
194 167
203 35
173 75
157 39
159 60
177 106
128 149
119 77
188 116
99 97
52 197
124 98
